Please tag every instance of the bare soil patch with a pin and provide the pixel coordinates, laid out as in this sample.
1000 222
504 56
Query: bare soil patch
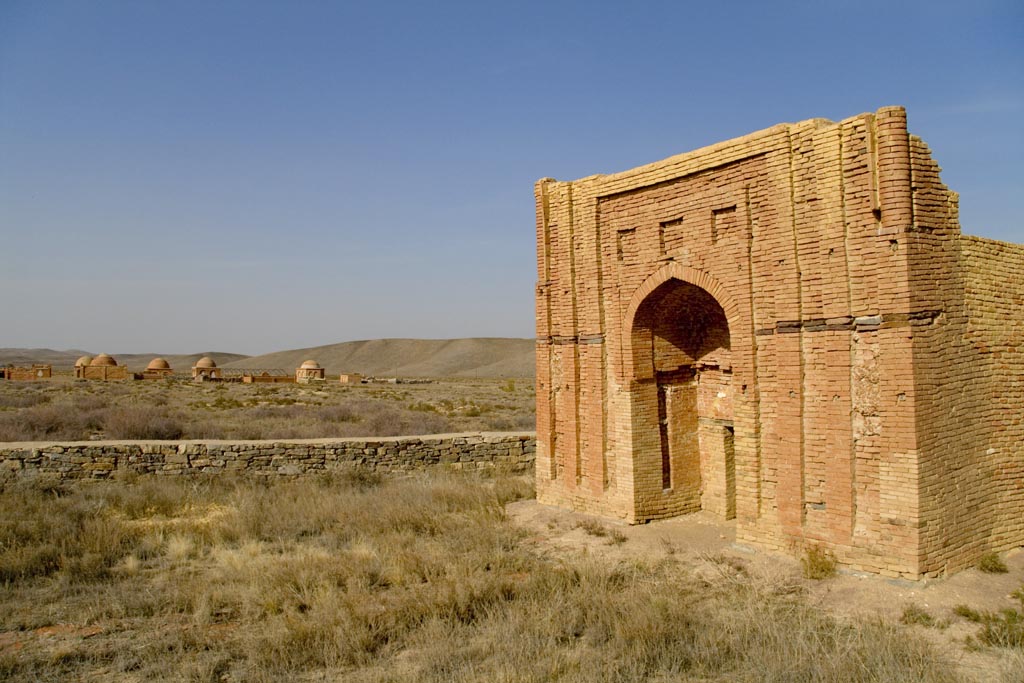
706 545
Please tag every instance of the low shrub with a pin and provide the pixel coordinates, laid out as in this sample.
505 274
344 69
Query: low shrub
991 563
345 412
998 629
46 421
1004 628
515 423
141 422
88 403
818 563
915 615
22 399
593 527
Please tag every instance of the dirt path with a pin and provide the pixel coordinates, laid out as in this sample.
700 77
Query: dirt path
704 541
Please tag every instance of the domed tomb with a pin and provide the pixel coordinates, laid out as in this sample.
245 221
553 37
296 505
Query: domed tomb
158 368
309 371
103 367
206 368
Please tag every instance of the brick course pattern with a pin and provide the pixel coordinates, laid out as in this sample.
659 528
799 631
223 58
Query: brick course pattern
99 460
27 374
786 328
103 373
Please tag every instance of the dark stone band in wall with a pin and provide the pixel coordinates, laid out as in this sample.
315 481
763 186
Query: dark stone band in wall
864 323
576 339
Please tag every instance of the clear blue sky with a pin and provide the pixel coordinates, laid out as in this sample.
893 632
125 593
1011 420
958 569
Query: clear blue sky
254 176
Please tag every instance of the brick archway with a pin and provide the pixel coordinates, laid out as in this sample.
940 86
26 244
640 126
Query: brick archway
680 388
858 318
674 271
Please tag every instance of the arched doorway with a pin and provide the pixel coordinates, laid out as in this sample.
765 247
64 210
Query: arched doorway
682 403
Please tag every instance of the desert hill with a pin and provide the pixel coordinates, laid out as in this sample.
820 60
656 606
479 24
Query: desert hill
22 357
180 362
489 357
473 357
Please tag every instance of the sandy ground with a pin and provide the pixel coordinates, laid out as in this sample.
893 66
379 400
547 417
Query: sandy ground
703 540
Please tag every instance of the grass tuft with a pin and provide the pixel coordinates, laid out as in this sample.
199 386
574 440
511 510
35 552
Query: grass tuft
818 563
914 615
593 527
1004 628
991 563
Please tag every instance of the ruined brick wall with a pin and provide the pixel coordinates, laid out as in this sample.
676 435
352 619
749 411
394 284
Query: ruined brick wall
763 328
163 373
971 380
99 460
268 379
102 372
994 288
307 375
36 372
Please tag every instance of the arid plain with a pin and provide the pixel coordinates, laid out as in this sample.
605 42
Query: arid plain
66 410
436 576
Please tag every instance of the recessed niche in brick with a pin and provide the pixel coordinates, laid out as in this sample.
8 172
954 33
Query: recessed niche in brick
669 231
721 221
625 246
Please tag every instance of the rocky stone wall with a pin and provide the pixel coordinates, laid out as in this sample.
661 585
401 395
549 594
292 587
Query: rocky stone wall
275 458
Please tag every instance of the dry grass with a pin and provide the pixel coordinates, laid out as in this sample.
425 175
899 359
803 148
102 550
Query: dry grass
916 615
998 629
67 410
991 563
360 578
818 563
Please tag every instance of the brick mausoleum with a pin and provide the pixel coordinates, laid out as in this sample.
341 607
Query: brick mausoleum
789 329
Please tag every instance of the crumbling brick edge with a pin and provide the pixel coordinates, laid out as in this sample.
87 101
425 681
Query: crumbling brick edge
511 452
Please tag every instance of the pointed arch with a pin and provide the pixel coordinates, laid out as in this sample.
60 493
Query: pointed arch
674 271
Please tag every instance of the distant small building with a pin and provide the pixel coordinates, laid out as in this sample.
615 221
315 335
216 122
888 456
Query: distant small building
103 368
309 371
351 378
158 368
26 374
205 368
80 366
